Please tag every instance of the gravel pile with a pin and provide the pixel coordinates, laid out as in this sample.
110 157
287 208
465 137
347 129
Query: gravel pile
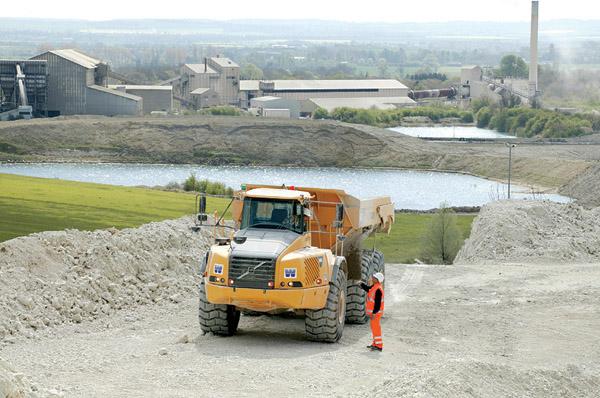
540 232
15 385
585 187
71 276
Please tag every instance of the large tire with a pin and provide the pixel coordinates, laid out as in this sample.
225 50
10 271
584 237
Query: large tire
327 324
379 265
356 309
218 319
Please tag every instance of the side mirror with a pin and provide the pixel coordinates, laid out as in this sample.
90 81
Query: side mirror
339 216
202 207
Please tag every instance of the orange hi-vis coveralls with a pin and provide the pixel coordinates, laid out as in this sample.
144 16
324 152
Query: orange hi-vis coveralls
374 312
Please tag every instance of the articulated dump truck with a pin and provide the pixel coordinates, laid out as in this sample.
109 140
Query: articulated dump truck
293 250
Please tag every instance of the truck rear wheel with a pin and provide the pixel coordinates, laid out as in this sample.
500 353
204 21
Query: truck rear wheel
371 262
327 324
219 319
379 264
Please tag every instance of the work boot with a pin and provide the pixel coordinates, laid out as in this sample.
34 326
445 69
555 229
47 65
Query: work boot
371 347
380 349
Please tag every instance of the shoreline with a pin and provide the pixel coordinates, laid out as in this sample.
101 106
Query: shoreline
537 189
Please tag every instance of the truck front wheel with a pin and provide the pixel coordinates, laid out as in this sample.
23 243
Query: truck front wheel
327 324
218 319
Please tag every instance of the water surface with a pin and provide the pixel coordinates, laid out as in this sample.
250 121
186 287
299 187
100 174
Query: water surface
419 190
451 132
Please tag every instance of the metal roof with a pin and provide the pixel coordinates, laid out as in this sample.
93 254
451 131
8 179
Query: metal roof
330 104
300 85
200 91
77 57
249 85
199 68
140 87
224 62
115 92
337 84
266 98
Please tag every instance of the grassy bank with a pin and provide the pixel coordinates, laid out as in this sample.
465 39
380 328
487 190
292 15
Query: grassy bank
30 205
403 244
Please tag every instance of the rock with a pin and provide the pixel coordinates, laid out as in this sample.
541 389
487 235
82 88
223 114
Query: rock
25 301
183 339
162 351
176 298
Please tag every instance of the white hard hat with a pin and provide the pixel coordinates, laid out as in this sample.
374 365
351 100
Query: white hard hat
379 276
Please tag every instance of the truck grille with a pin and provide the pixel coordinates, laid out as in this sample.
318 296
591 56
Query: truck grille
311 271
252 272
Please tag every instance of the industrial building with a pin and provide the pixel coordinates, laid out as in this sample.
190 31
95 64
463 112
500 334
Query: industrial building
77 85
302 97
276 107
23 89
303 90
475 84
154 98
215 82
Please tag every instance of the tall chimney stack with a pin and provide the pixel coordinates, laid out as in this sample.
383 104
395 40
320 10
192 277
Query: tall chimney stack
533 64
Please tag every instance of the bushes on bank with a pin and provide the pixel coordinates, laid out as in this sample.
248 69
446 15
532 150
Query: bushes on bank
527 122
393 117
221 111
193 184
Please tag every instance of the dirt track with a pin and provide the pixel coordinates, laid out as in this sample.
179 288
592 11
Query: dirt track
448 331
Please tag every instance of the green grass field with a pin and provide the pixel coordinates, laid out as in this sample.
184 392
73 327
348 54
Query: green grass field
29 204
403 244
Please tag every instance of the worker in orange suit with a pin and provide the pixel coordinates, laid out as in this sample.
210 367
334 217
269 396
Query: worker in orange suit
374 308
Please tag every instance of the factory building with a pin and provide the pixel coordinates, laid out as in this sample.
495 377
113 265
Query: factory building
215 82
204 98
276 107
154 98
475 84
77 85
303 90
23 89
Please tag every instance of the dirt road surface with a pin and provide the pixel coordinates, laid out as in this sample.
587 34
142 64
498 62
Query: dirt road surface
507 330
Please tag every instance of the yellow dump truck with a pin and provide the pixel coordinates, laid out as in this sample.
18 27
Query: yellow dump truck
293 249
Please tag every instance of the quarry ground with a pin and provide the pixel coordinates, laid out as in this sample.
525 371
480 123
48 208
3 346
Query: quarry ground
509 330
570 167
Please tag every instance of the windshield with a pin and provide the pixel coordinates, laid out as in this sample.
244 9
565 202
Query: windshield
272 213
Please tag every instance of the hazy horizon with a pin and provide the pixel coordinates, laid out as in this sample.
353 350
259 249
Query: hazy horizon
378 11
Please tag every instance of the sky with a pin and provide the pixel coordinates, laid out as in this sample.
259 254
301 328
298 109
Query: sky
343 10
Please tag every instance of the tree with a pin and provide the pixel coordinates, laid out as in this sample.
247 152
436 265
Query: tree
320 113
513 66
442 240
251 72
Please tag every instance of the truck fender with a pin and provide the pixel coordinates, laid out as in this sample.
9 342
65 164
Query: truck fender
339 265
203 264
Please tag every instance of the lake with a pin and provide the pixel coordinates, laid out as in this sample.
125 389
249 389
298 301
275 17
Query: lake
418 190
451 132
